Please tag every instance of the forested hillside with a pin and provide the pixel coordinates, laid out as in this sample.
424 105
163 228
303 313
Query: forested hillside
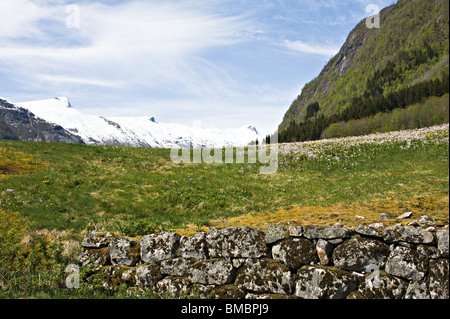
402 63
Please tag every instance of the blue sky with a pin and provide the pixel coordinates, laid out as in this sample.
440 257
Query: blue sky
227 63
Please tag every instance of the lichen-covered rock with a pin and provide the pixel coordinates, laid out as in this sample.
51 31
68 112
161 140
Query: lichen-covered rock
228 292
193 247
124 251
265 276
147 275
295 252
324 250
438 279
324 282
430 252
275 233
395 234
442 240
269 296
327 232
173 288
177 266
417 290
358 253
211 272
295 231
114 276
158 247
407 263
381 285
97 240
237 242
95 258
368 231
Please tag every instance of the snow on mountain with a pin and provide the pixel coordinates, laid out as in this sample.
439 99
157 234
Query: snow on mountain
134 131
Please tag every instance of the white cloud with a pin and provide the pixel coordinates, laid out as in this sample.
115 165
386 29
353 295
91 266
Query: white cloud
310 48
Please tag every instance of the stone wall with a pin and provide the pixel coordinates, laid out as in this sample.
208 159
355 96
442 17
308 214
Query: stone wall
329 262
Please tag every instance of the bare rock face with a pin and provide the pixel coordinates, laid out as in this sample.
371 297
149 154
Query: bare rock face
158 247
236 242
124 251
358 253
407 263
295 252
324 282
265 276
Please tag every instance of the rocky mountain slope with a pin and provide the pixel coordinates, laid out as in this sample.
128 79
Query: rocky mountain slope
59 121
410 46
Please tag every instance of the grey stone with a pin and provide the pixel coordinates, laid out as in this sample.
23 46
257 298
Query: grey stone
265 276
425 219
275 233
147 275
324 250
158 247
358 253
295 252
236 242
124 251
97 240
438 279
376 225
405 215
173 288
193 247
176 266
395 234
380 285
324 282
95 258
368 231
429 251
417 290
442 240
211 272
407 263
296 231
327 232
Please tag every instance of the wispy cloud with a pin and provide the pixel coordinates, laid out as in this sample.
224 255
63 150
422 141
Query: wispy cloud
310 48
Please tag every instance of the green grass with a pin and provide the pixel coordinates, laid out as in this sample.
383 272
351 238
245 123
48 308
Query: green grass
62 191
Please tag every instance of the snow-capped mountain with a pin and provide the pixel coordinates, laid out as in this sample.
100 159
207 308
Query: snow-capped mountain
134 131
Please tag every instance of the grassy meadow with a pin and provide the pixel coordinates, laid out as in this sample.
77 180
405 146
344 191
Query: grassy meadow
52 195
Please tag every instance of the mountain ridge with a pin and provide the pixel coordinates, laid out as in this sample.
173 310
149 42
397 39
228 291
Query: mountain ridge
125 131
413 36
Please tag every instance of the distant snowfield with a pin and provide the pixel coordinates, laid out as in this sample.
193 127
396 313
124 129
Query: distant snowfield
135 131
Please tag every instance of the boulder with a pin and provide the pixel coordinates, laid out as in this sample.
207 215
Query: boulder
295 231
193 247
236 242
395 234
368 231
417 290
265 276
124 251
407 263
324 250
97 240
295 252
147 275
358 253
177 266
211 272
438 279
275 233
173 288
442 240
381 285
406 215
158 247
324 282
327 232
